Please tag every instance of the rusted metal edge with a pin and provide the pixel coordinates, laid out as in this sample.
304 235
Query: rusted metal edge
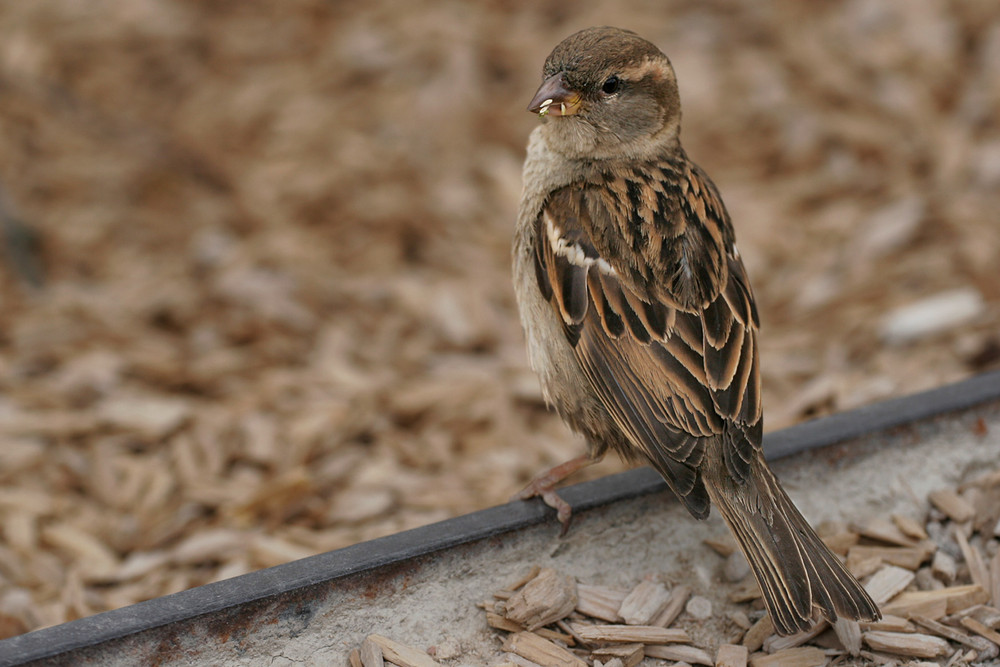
228 595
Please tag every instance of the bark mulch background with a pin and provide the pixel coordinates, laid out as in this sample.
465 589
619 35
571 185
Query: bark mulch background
255 297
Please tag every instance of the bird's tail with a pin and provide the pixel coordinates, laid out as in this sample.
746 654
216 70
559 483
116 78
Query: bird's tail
795 570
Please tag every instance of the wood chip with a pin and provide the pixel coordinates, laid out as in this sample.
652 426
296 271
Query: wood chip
630 655
988 616
746 591
692 655
646 634
600 602
731 655
371 654
864 567
355 658
977 568
909 644
802 656
849 633
678 599
401 654
942 630
547 598
955 598
952 504
926 606
908 557
530 646
739 619
531 574
885 530
552 635
981 629
943 566
644 603
776 643
909 526
613 662
891 623
888 582
761 630
995 579
721 545
499 622
840 543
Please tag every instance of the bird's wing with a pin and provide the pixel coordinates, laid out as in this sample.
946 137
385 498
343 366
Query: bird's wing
666 337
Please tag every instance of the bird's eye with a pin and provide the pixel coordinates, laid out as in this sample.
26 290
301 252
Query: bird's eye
611 86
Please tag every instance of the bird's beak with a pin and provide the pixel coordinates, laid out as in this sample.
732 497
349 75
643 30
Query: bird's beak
555 99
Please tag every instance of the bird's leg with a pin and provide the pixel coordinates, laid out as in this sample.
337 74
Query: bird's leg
543 486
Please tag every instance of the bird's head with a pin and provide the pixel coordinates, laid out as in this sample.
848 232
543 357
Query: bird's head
608 93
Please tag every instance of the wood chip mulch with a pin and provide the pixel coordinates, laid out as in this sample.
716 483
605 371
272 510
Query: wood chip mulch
255 296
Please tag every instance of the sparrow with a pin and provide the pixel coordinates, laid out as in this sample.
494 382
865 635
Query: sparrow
639 317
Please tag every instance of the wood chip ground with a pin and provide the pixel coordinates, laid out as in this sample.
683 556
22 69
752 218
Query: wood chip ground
255 296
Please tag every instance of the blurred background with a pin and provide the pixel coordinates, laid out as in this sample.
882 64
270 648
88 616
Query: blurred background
254 292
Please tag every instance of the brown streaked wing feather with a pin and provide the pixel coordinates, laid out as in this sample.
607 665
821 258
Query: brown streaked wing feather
668 377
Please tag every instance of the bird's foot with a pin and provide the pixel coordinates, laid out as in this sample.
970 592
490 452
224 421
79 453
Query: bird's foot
543 486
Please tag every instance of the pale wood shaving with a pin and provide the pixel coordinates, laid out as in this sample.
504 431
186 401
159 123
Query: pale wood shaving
531 574
547 598
755 636
944 567
679 596
910 644
630 655
995 579
371 654
909 526
541 651
891 623
731 655
888 582
952 504
644 603
906 557
600 602
647 634
981 629
885 530
977 568
849 633
499 622
692 655
955 598
776 643
518 660
723 546
942 630
401 654
802 656
841 543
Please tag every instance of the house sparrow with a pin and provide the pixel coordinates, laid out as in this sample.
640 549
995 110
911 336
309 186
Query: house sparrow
640 319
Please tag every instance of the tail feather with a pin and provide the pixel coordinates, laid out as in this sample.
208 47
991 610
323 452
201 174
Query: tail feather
796 571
